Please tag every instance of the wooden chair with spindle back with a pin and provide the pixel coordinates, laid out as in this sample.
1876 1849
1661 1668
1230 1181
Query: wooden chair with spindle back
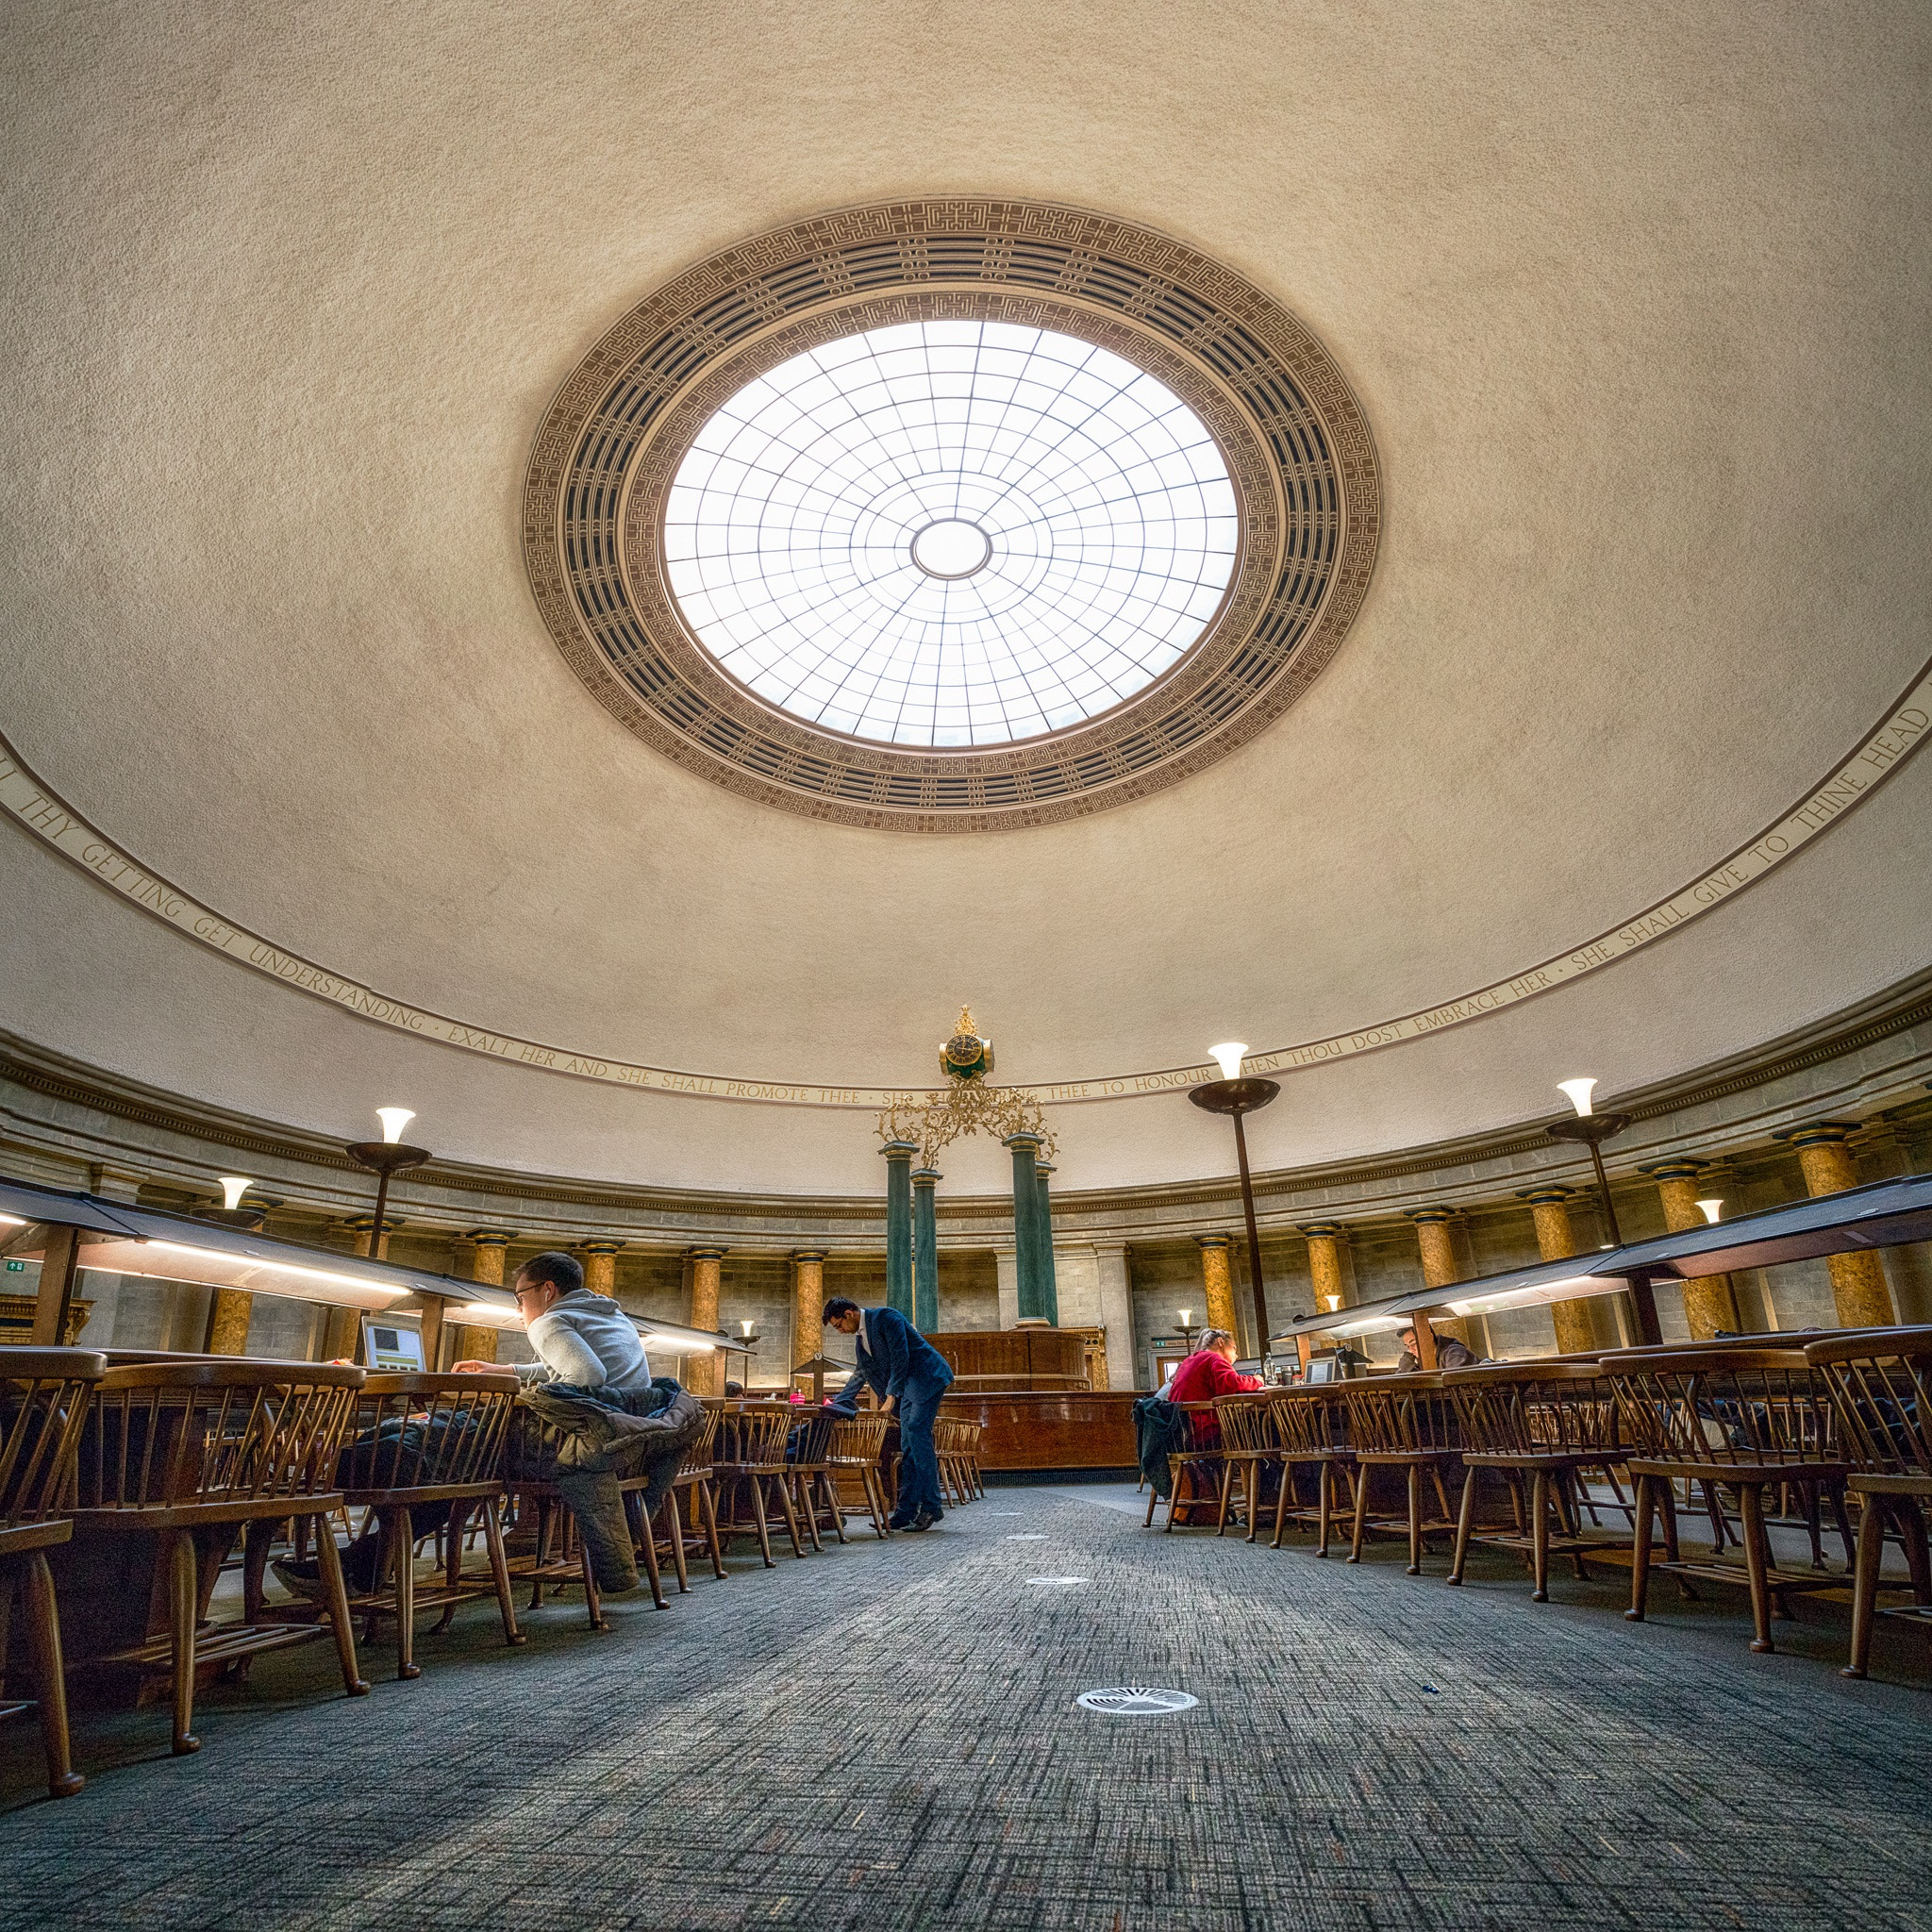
1193 1472
185 1454
1311 1426
975 1475
751 1470
44 1395
1404 1423
1740 1420
692 1497
809 1445
1537 1425
417 1441
858 1442
1880 1383
1248 1450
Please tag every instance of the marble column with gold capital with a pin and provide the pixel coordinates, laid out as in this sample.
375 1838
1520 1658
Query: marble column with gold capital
1327 1275
1556 1241
483 1251
1435 1242
600 1266
808 1304
1217 1282
1858 1287
704 1373
1710 1303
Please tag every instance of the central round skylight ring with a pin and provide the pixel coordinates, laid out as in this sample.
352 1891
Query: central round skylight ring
951 533
951 548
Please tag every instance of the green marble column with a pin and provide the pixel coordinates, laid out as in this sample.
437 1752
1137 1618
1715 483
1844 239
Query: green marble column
925 1249
1042 1169
1032 1242
899 1223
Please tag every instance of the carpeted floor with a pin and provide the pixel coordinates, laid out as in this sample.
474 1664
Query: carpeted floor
885 1737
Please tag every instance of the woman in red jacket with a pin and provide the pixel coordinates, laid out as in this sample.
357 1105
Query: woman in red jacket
1206 1373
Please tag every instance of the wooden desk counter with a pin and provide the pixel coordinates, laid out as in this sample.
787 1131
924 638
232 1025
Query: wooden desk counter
1049 1429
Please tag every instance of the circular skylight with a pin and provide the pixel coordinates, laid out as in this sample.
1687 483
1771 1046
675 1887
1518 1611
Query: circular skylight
951 533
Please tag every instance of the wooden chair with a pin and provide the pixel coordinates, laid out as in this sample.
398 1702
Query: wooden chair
1405 1422
552 1555
751 1469
975 1475
858 1442
807 1446
418 1440
1195 1470
1538 1426
185 1454
1880 1384
1738 1419
43 1402
692 1497
1311 1432
1248 1450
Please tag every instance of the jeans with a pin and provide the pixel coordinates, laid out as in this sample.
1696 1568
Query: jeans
919 1466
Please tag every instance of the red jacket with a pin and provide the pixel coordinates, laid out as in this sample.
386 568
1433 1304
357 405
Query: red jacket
1201 1378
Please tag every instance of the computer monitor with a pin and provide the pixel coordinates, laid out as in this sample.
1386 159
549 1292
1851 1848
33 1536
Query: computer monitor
388 1346
1321 1369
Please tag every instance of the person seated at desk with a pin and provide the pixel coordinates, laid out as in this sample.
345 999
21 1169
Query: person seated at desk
1206 1374
1450 1353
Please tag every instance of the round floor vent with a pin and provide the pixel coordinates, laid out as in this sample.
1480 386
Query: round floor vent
1135 1700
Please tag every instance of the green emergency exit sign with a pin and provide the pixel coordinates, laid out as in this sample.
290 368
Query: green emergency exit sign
16 1266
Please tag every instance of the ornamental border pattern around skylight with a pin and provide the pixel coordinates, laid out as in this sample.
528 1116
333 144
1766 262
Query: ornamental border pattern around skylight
1290 435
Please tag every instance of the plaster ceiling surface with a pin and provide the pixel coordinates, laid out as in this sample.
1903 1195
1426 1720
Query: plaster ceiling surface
1634 304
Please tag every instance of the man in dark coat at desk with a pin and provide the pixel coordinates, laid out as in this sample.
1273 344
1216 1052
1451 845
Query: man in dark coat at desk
908 1375
1450 1353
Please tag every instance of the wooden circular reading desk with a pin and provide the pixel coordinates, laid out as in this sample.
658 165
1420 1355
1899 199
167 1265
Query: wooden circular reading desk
1027 1390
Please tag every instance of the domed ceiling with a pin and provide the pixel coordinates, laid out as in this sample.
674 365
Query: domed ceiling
312 813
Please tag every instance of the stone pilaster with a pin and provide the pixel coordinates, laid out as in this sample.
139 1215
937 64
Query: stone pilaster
1556 1241
1042 1169
1114 1280
1435 1244
1710 1303
228 1319
925 1249
600 1266
1858 1286
808 1304
1217 1280
705 1373
481 1255
1328 1272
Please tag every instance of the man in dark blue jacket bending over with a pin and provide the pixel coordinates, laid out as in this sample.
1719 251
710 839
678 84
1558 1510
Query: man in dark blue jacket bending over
908 1375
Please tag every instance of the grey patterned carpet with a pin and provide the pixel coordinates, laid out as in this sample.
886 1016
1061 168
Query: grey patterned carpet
884 1737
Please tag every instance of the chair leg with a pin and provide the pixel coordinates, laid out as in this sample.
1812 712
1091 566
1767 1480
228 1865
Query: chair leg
184 1590
1325 1503
808 1510
335 1595
499 1570
593 1597
1464 1517
1282 1491
647 1549
255 1543
452 1560
1751 1511
50 1680
1221 1500
1361 1513
1640 1551
1911 1522
1539 1534
1865 1585
708 1502
402 1551
783 1485
674 1524
828 1488
758 1510
1415 1519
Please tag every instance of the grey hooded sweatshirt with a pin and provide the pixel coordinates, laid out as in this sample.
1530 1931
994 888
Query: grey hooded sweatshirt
588 1339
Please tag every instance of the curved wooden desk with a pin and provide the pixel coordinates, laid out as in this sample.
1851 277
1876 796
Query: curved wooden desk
1047 1428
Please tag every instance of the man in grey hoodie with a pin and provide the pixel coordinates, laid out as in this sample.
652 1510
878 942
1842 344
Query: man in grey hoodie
589 1351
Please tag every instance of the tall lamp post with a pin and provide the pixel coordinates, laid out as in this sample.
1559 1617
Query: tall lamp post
384 1158
1231 1094
1594 1129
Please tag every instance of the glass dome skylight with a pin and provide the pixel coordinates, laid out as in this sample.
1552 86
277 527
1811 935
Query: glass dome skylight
951 533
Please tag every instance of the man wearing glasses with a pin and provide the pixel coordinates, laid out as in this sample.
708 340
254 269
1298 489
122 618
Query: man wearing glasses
579 1337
